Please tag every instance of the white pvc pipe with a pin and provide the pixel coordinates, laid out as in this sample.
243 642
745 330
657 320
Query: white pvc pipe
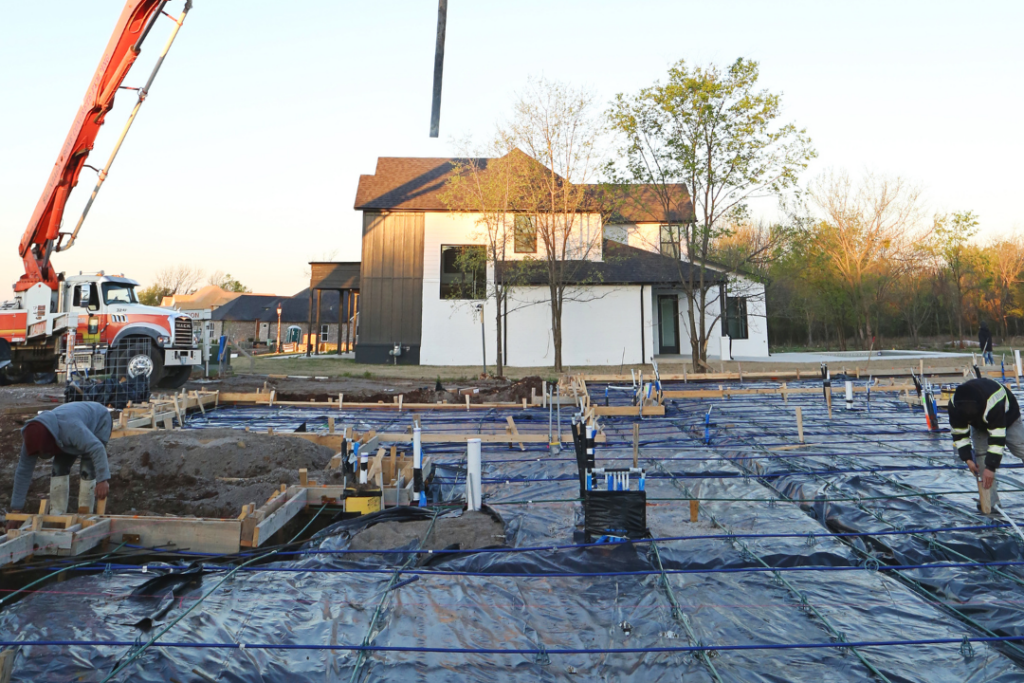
849 395
474 497
417 449
1016 357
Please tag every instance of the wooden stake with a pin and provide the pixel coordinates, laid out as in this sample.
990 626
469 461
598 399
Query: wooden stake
303 477
984 498
330 425
921 368
694 509
828 400
101 506
341 400
524 404
800 423
636 443
467 402
401 397
785 394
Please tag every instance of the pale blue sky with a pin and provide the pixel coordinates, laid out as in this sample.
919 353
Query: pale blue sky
246 156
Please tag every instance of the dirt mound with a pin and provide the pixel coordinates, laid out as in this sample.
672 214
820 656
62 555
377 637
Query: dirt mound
467 531
206 473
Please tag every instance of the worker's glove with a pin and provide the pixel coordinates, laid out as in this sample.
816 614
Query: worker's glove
972 467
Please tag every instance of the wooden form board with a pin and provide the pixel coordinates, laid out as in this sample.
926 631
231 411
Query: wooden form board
722 393
197 534
856 371
267 399
334 440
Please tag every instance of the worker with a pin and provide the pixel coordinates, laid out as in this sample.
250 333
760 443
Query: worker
64 434
985 412
985 342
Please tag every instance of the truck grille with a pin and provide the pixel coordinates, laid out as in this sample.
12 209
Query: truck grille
183 333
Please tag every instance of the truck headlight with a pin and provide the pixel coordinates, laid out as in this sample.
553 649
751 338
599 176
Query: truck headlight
162 340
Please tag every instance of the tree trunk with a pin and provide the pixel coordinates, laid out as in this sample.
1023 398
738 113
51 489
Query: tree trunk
499 360
556 327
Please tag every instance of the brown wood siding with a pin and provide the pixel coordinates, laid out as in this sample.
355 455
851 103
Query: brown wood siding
334 275
391 278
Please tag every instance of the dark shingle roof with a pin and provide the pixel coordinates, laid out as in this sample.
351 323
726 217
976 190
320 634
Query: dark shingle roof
416 184
624 265
294 309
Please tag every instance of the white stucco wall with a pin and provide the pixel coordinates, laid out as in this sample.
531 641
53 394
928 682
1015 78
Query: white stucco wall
598 329
602 328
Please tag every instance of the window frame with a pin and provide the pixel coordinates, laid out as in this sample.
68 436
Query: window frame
737 316
452 285
325 332
675 239
519 220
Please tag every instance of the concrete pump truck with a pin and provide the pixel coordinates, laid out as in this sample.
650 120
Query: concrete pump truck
93 321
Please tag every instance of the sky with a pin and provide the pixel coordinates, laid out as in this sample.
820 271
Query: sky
246 155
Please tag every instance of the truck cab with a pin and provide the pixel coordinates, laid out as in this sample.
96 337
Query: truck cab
115 331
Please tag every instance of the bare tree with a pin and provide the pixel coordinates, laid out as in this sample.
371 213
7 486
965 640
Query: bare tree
554 124
488 183
181 279
868 236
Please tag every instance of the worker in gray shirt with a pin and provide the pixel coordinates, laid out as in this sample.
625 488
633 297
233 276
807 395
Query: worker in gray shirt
64 434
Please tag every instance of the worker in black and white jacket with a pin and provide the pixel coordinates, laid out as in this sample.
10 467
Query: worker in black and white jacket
986 413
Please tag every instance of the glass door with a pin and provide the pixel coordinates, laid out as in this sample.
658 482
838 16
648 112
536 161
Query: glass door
668 324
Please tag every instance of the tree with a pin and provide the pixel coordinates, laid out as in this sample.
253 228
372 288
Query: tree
714 132
1005 262
554 124
490 188
953 234
868 236
227 283
182 279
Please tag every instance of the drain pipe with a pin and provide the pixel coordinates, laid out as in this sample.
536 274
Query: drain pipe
849 395
474 499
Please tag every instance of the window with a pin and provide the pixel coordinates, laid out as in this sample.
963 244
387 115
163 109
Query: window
736 317
118 293
670 240
526 235
324 333
463 272
86 296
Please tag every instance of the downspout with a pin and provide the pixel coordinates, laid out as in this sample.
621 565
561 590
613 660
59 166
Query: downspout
643 347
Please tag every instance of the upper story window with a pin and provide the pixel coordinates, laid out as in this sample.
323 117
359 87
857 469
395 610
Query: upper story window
736 317
526 235
463 272
670 235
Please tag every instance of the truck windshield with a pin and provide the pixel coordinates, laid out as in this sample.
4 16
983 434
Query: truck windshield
119 293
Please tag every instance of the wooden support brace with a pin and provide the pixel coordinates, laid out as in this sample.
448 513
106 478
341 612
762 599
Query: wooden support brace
694 509
800 423
514 431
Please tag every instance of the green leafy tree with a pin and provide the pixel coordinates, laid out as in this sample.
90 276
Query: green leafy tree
953 235
716 134
153 295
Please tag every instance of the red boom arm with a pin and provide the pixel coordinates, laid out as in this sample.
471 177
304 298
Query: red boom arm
42 233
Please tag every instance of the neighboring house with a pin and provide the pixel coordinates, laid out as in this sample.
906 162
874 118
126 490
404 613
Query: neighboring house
251 320
627 305
207 298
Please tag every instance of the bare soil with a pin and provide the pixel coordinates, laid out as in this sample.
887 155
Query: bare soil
374 390
468 531
205 473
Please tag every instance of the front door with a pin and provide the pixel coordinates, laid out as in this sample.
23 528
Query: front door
668 324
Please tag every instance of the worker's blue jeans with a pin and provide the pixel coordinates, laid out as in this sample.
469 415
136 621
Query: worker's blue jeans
62 466
1014 445
989 360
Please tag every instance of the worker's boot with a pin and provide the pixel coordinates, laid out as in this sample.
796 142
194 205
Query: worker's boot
86 496
59 494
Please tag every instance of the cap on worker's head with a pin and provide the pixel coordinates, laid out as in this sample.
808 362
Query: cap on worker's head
964 404
38 440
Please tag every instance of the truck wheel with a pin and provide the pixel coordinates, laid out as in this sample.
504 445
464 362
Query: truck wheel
135 360
175 378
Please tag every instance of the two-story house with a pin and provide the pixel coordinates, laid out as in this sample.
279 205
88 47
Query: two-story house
627 304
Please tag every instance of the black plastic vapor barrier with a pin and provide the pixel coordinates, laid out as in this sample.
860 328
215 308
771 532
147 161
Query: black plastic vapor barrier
537 615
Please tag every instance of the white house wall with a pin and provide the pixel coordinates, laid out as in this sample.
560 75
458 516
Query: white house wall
596 332
605 329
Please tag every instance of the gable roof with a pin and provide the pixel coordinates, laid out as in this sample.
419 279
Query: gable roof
625 265
294 309
416 184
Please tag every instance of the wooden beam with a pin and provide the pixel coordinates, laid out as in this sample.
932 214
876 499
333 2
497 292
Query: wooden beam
197 534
